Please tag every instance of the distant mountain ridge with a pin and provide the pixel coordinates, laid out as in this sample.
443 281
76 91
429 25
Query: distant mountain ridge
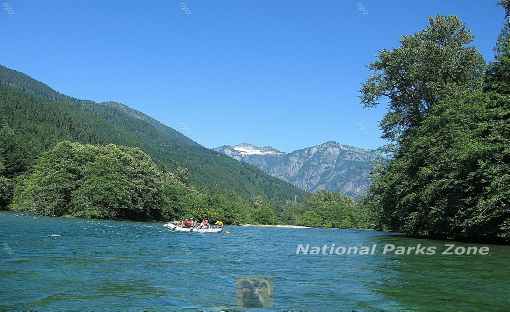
41 116
329 166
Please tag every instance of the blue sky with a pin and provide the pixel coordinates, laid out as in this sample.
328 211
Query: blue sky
281 73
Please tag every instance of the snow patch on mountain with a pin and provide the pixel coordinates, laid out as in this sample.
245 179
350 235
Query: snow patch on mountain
248 149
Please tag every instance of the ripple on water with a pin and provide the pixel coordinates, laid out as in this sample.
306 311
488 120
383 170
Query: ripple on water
129 266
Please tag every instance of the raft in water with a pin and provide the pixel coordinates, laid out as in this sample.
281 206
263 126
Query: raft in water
177 228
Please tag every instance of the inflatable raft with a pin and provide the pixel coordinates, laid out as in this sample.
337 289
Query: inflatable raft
177 228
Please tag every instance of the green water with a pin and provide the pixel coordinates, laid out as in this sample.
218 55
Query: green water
57 264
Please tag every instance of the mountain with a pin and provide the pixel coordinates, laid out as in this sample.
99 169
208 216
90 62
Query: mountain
329 166
41 116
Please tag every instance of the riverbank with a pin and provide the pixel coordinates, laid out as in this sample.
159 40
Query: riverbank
278 226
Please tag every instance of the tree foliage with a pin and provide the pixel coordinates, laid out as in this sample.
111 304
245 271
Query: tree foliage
12 163
116 182
262 213
6 192
420 72
332 210
92 181
450 175
498 73
451 179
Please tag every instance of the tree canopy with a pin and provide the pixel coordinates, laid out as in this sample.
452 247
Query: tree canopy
117 182
498 73
94 181
450 174
420 72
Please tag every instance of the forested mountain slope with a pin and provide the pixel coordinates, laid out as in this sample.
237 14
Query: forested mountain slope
41 117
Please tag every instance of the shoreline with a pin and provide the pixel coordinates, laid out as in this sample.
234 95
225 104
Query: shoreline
277 226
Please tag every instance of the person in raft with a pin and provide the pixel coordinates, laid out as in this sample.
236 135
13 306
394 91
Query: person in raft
188 223
204 224
219 223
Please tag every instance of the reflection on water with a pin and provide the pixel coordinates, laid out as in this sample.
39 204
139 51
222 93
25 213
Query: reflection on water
447 282
7 249
82 265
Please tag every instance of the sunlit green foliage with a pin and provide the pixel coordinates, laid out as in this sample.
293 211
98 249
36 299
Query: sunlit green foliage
115 182
12 163
498 74
328 209
262 212
450 175
420 72
92 181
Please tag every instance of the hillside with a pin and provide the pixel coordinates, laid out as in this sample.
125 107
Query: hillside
41 116
330 166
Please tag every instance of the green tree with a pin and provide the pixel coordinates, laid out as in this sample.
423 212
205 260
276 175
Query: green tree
262 212
312 218
121 182
92 181
12 155
420 72
498 73
329 209
452 179
450 174
176 197
228 207
6 192
57 174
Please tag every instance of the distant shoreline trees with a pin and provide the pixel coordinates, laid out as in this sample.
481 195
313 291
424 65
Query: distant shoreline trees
117 182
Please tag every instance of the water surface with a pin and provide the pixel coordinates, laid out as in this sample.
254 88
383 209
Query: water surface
58 264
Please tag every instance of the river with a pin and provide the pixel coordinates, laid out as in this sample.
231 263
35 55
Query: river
67 264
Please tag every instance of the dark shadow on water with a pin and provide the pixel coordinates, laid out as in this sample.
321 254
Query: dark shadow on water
446 282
